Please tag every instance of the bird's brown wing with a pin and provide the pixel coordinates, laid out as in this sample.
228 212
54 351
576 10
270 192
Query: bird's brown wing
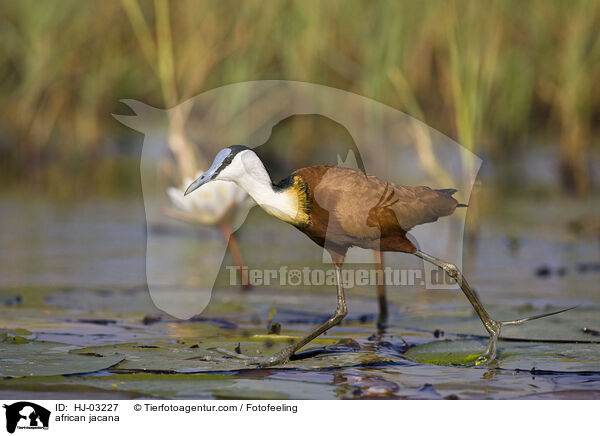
421 204
366 207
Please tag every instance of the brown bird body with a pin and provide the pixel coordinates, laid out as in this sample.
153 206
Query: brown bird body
339 208
379 221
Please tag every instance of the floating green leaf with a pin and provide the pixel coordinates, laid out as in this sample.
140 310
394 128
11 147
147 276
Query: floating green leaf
40 358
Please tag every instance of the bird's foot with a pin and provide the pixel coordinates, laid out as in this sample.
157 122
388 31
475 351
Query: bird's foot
277 359
261 362
494 328
489 356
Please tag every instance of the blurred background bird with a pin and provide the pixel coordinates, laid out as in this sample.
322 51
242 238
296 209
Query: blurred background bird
223 205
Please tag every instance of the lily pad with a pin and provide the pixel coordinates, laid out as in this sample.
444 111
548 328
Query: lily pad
40 358
461 319
221 355
219 386
572 358
534 356
447 352
16 336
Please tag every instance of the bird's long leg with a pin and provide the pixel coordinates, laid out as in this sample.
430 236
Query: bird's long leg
381 297
340 312
236 254
228 236
493 327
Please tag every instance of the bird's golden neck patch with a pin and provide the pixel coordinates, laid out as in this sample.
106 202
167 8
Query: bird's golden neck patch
296 190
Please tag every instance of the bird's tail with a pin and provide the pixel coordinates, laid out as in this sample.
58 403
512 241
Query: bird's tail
448 191
451 192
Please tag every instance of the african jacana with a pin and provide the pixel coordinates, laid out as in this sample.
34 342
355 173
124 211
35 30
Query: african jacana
338 208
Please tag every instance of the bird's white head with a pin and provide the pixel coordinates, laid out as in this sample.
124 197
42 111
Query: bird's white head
241 165
230 164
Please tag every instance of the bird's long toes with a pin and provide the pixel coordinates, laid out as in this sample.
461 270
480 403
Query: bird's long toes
238 356
531 318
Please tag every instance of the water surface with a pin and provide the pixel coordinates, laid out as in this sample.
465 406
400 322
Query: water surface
77 320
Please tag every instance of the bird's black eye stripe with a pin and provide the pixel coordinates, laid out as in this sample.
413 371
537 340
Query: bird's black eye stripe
224 164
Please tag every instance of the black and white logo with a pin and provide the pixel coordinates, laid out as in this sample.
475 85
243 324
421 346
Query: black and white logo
26 415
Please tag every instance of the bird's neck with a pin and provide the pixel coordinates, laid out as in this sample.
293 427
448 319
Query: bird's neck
287 201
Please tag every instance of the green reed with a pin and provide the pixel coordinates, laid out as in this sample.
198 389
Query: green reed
495 76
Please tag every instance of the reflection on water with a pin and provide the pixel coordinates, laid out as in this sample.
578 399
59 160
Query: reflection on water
73 274
95 243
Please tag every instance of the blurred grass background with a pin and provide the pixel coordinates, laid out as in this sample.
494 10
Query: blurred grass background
499 77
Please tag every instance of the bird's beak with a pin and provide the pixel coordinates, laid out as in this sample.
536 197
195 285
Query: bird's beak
203 179
209 174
